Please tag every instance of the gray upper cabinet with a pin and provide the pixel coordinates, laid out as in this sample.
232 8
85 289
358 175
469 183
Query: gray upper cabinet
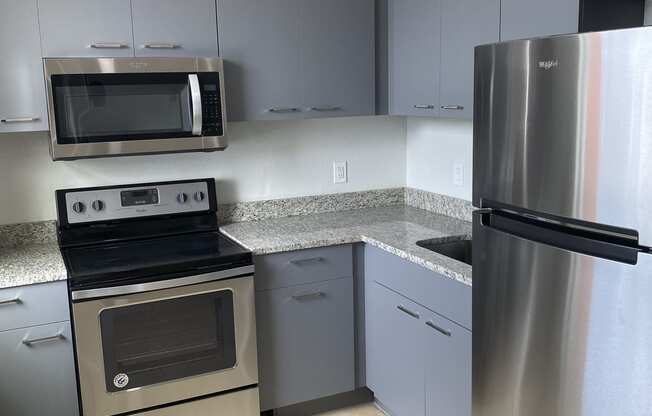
260 44
86 28
448 367
414 57
294 59
531 18
337 57
22 100
465 25
175 28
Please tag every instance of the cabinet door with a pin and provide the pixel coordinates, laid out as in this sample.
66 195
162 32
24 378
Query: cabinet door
414 57
259 41
448 367
394 351
522 19
337 57
305 342
86 28
175 28
465 25
38 378
22 101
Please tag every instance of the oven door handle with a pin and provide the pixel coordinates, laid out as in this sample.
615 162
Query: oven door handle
195 97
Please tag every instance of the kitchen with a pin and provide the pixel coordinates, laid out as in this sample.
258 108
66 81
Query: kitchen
344 167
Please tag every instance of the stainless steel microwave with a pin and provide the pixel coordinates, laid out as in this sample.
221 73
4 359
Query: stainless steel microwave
100 107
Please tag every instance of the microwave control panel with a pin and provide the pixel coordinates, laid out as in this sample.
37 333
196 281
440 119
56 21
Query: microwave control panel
211 102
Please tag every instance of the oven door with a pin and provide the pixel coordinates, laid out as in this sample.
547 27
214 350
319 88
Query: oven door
149 349
111 107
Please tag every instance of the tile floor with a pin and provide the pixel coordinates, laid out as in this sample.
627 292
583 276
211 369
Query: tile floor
359 410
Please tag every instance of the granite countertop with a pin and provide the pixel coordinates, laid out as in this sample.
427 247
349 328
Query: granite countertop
394 229
30 264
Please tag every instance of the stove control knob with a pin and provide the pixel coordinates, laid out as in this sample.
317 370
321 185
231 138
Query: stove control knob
79 207
182 198
199 196
98 205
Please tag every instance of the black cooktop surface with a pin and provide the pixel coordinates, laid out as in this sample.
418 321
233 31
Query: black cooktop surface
139 261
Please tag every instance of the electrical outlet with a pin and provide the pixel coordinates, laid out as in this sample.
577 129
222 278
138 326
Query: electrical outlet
458 174
339 172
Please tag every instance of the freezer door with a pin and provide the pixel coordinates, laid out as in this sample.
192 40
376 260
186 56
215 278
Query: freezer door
556 332
563 126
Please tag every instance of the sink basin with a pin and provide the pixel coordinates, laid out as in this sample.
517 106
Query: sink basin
459 250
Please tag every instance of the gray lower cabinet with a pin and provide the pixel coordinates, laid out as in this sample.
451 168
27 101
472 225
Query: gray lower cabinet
171 28
86 28
22 97
465 24
305 341
295 59
38 373
414 38
522 19
394 351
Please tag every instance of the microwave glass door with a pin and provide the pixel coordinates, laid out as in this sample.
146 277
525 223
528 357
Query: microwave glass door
158 341
91 108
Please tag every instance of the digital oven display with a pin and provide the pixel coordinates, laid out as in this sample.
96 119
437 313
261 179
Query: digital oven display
139 197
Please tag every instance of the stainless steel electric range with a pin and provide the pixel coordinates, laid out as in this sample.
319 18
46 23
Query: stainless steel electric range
162 303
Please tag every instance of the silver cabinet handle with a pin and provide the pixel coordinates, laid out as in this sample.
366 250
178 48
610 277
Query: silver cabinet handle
14 301
309 296
409 312
452 107
108 45
281 110
161 45
57 337
335 108
195 96
438 329
19 119
424 107
299 262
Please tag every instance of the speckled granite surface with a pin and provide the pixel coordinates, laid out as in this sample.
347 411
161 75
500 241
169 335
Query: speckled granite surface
31 264
43 232
394 229
440 204
278 208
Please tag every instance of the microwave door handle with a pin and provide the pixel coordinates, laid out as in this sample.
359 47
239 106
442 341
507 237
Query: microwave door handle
195 96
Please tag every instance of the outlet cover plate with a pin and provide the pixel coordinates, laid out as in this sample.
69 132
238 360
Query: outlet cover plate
340 174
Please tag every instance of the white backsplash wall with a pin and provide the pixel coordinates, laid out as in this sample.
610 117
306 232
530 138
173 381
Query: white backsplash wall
434 148
265 160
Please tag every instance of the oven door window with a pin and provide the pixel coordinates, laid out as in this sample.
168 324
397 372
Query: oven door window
91 108
160 341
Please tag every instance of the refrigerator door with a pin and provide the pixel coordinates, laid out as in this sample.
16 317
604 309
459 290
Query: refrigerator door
556 332
563 126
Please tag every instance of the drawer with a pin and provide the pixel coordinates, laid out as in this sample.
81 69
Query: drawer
303 266
445 296
33 305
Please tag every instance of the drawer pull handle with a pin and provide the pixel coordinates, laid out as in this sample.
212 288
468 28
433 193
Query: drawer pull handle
424 107
407 311
335 108
161 45
108 45
19 120
308 260
452 107
14 301
57 337
279 110
309 296
438 329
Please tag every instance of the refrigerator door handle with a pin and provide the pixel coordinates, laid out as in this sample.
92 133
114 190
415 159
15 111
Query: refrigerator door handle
567 238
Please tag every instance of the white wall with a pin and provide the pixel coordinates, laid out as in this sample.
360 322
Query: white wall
265 160
433 148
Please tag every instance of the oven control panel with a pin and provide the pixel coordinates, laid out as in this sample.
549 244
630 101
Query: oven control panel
125 202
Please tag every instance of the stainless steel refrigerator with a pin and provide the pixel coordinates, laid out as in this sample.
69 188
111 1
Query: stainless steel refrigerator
562 269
